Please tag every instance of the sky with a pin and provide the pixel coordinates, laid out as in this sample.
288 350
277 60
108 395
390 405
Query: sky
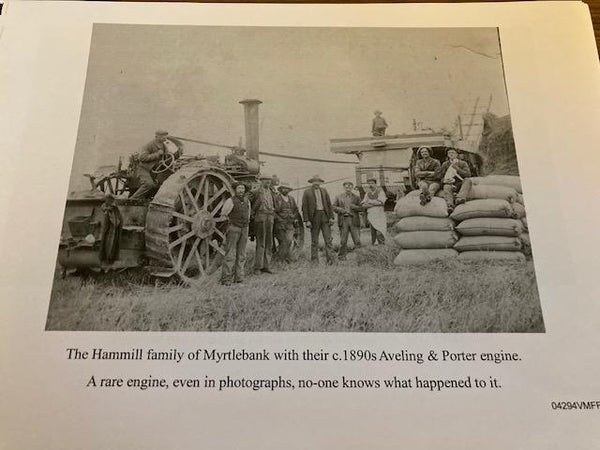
315 84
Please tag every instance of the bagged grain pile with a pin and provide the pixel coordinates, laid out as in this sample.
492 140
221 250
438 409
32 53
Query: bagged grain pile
524 222
518 211
510 181
491 256
482 208
490 226
426 239
488 243
486 191
421 223
407 257
526 243
410 205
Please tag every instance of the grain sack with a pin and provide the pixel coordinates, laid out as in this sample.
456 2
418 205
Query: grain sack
518 211
424 256
410 205
520 199
526 243
524 222
492 191
491 256
491 243
482 208
490 226
420 223
426 239
511 181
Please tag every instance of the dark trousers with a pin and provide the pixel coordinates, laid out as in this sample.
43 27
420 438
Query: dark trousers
147 183
263 230
347 227
235 254
320 224
284 232
376 236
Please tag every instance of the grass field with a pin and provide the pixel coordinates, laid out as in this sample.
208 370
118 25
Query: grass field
365 293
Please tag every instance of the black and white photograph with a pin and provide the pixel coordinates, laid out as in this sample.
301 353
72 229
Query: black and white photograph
297 179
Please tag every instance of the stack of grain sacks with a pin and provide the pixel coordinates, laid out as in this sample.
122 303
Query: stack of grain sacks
490 222
424 232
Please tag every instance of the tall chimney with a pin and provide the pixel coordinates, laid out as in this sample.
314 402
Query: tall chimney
251 123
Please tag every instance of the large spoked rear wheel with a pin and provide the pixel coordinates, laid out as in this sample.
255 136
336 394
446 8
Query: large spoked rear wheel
185 231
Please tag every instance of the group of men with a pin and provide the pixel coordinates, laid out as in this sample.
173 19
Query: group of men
446 178
275 214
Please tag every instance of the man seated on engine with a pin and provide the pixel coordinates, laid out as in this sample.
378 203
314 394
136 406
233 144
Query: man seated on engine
453 172
427 174
149 156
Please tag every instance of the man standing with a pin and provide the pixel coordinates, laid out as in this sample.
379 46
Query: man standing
318 216
286 215
150 155
453 172
263 211
374 202
428 175
347 206
379 124
237 210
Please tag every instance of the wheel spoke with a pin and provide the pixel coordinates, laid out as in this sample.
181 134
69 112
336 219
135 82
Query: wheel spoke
185 237
217 248
174 228
200 268
220 219
189 193
214 197
190 255
183 205
199 188
183 216
217 231
214 212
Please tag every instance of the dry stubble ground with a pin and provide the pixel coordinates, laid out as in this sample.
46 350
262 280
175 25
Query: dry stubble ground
366 293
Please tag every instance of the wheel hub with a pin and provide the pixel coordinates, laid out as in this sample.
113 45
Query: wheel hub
204 225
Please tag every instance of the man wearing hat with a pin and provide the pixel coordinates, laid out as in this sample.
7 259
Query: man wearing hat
149 156
318 216
427 174
453 173
286 214
379 124
347 206
263 212
237 210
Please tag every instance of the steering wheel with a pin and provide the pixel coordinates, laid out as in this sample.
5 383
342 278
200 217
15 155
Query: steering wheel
166 164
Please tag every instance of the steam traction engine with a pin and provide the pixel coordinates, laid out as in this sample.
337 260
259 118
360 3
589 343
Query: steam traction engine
179 231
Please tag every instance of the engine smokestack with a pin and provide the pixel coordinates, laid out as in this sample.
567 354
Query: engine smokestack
251 123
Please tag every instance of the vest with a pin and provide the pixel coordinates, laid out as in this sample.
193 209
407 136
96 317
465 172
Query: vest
240 214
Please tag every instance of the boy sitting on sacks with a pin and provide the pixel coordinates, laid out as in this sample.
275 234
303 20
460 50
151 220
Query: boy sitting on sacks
428 175
452 173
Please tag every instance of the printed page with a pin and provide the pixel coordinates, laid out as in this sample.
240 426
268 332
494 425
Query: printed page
332 226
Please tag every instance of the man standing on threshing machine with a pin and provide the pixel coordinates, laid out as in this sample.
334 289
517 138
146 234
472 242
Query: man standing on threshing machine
237 210
373 202
263 212
286 216
318 216
347 206
379 124
150 155
427 174
453 172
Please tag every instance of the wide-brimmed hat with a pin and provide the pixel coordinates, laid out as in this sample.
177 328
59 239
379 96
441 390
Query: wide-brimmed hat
161 133
284 185
347 182
265 176
451 149
316 178
377 112
372 179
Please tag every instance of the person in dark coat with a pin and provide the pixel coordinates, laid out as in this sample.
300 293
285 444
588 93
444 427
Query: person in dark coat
347 206
318 216
286 215
452 174
263 213
149 156
237 210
